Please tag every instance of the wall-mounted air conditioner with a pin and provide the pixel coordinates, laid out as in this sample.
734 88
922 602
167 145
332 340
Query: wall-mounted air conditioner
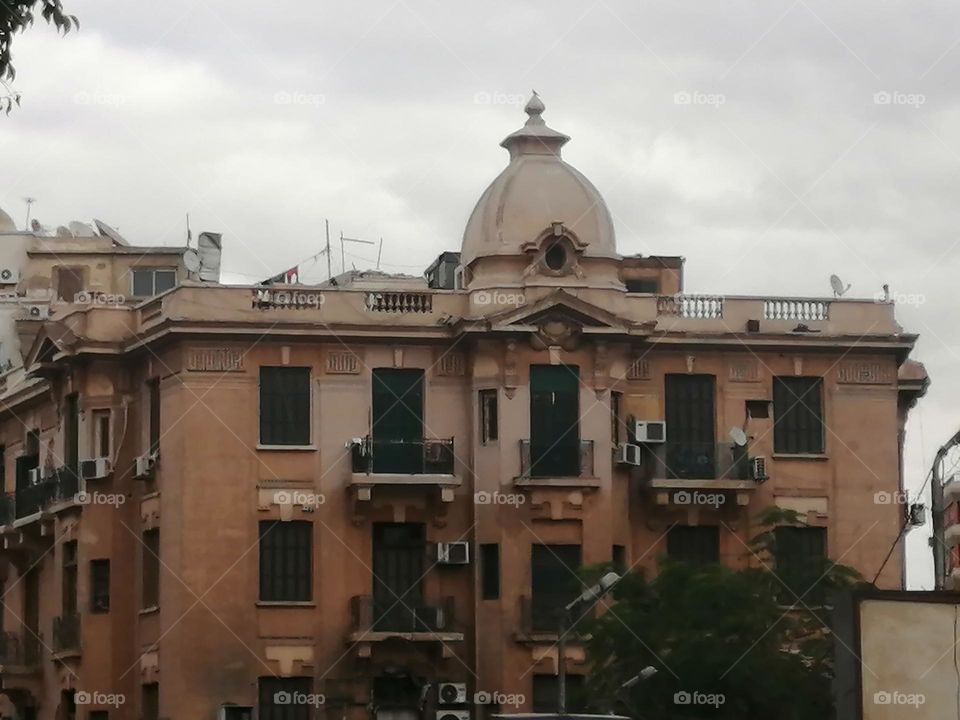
453 715
452 693
143 466
95 468
629 454
453 553
33 476
650 431
8 275
235 712
758 469
38 312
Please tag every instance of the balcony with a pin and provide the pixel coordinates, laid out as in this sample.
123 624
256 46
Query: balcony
398 463
66 633
61 486
373 620
700 466
7 509
564 463
19 653
540 616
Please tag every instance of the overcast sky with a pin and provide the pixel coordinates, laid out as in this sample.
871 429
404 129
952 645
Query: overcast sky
771 144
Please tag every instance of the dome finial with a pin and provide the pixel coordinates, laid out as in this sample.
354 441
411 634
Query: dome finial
534 108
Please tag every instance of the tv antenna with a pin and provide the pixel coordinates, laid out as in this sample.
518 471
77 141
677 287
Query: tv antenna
343 259
29 201
837 284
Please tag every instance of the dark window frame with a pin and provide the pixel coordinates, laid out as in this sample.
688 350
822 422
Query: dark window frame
616 417
490 571
150 701
100 585
69 581
153 414
286 561
798 415
153 273
489 415
285 405
150 570
694 544
801 557
269 687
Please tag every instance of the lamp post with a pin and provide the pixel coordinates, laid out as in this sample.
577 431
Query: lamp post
567 622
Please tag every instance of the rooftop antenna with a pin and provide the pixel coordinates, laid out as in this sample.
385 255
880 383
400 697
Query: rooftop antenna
379 253
329 272
343 259
189 234
29 201
837 285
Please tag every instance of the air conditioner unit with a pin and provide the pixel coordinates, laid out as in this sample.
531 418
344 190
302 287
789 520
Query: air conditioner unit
452 693
453 715
143 467
650 431
917 515
95 468
33 476
629 454
758 469
453 553
8 275
39 312
235 712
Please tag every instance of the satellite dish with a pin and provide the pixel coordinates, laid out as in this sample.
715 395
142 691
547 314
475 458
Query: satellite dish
64 231
191 260
80 229
110 233
738 436
837 285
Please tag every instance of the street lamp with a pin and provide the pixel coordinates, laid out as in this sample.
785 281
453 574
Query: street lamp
587 598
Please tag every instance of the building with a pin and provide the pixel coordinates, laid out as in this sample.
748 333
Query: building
372 496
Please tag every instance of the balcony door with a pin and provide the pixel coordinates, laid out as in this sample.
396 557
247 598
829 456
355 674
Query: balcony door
31 617
554 583
399 552
397 421
554 420
691 433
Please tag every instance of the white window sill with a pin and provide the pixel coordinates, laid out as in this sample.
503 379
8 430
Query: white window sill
288 448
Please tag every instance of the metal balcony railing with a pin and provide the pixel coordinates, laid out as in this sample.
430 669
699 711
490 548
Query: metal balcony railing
402 457
562 458
19 650
701 461
66 632
402 615
62 485
7 508
542 612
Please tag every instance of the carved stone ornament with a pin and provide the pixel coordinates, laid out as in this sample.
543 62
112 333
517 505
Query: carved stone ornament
556 333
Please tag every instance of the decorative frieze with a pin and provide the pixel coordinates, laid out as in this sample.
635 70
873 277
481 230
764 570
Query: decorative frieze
452 364
639 369
864 372
342 362
215 359
744 370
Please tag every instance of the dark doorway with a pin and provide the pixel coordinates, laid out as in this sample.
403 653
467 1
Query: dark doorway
691 451
397 421
399 552
554 583
554 421
31 617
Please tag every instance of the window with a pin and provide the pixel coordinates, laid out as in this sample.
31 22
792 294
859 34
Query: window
489 430
618 556
801 561
285 698
236 712
554 582
642 285
555 257
70 283
99 586
99 715
151 569
697 545
153 401
101 433
150 701
286 550
490 570
69 576
71 434
148 282
546 693
616 421
798 415
285 406
758 409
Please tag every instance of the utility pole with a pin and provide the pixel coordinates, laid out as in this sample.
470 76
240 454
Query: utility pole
329 272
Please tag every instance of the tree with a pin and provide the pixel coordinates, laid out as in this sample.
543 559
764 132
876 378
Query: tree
727 644
16 15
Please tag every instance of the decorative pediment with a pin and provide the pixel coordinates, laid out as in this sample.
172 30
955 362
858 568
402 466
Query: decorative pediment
53 340
559 307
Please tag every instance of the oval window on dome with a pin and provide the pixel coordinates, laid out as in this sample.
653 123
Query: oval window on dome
556 257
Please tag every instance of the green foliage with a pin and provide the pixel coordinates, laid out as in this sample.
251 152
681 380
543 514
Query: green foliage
16 15
746 636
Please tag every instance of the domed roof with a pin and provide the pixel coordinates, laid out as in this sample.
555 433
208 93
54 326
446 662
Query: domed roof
535 191
6 223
